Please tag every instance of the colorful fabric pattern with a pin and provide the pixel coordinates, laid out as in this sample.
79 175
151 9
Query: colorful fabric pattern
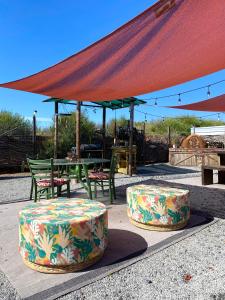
62 232
48 183
158 205
98 176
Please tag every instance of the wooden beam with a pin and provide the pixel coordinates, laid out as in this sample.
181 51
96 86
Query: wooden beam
130 171
78 129
34 134
56 132
144 141
103 129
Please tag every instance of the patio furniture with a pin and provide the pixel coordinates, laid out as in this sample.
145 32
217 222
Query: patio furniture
105 179
60 235
45 179
122 153
81 170
157 207
207 174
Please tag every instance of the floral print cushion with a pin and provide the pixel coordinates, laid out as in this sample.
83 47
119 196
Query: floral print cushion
47 182
62 232
98 176
158 205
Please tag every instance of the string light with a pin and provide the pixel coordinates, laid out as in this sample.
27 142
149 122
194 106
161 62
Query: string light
166 117
208 91
179 99
94 110
155 102
189 91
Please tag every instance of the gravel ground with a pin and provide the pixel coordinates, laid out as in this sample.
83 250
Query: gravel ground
190 269
16 187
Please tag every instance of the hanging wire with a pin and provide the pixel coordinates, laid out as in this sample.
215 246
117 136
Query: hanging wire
187 91
166 117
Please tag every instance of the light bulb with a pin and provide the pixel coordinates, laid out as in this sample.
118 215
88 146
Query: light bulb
208 91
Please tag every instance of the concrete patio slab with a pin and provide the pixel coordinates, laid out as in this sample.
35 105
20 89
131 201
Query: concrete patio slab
127 244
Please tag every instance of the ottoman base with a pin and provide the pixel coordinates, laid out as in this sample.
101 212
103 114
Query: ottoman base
62 269
159 227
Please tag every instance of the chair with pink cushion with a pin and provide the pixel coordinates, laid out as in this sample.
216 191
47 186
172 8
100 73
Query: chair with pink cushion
103 179
45 180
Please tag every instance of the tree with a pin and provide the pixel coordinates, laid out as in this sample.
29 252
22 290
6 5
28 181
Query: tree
179 125
14 124
121 122
67 134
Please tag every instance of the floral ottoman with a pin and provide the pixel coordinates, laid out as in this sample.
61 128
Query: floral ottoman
62 235
157 207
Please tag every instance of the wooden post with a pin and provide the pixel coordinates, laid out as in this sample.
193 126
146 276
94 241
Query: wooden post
78 129
169 136
34 134
115 137
144 142
130 171
103 129
56 132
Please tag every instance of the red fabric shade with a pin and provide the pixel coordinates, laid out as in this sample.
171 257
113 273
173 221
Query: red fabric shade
216 104
171 42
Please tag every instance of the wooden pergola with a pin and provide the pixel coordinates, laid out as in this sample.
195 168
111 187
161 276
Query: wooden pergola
113 104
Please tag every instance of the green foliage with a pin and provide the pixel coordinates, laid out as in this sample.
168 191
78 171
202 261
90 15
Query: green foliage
120 122
14 124
179 125
67 135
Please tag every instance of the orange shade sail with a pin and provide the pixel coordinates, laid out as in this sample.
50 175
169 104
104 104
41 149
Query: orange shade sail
172 42
216 104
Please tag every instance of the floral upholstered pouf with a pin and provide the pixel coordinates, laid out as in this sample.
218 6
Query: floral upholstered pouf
62 235
157 207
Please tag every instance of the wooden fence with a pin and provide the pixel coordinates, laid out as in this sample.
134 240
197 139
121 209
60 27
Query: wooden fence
15 149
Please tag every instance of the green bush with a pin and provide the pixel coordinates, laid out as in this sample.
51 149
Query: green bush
14 124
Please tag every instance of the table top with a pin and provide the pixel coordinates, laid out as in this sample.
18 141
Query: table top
81 161
61 211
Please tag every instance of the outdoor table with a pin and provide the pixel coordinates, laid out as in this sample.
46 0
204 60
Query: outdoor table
62 235
157 207
82 163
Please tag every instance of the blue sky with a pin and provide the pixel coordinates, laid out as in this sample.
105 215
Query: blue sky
38 34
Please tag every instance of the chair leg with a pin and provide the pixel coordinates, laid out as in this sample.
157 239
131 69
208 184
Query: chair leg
110 192
58 191
35 193
95 189
47 193
114 189
102 186
31 189
68 189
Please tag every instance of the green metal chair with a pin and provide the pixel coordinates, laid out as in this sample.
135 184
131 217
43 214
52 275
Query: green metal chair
105 179
44 179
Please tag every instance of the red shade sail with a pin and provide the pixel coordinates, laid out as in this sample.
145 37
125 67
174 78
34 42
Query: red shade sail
216 104
171 42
